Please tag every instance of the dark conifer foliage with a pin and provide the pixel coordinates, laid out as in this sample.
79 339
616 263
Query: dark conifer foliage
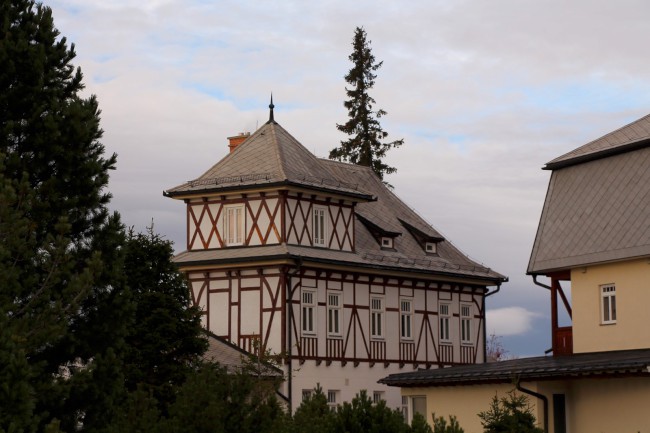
365 145
62 311
166 340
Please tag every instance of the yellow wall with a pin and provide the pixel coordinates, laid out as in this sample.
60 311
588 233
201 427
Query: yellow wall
464 402
610 406
632 280
592 405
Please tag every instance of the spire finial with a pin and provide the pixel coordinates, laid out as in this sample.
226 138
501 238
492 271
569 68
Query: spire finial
271 107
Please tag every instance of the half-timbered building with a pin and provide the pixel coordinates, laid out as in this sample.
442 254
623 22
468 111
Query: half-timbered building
318 260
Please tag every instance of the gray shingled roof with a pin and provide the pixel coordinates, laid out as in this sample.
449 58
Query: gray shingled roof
386 212
628 137
595 364
595 211
268 157
232 358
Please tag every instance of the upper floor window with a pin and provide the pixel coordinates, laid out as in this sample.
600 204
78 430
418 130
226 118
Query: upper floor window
308 312
465 323
319 226
431 248
608 303
234 225
444 316
334 305
406 319
386 242
376 317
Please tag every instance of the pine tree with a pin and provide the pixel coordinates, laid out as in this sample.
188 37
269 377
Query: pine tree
62 308
166 340
365 146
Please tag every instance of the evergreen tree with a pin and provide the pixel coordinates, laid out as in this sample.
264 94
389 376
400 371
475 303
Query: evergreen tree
314 414
62 309
362 415
365 146
509 414
166 339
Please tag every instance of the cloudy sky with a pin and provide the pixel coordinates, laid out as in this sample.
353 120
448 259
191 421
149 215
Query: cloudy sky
483 93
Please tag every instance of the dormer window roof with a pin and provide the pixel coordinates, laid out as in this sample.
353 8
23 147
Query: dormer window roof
428 242
385 238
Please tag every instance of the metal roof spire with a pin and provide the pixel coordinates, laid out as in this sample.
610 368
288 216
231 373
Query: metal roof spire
271 107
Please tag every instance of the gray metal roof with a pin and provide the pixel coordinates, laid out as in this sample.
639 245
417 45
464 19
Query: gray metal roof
233 358
599 364
595 211
268 157
629 137
273 150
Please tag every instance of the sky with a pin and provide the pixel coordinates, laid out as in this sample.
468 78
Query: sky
483 94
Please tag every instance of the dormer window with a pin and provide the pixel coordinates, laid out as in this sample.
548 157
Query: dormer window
431 248
386 242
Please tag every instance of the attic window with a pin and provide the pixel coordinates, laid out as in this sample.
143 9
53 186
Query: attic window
431 248
386 242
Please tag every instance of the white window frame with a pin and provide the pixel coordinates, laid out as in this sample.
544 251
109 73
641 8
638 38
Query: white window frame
306 394
332 398
411 408
406 319
466 323
334 314
444 320
230 217
378 396
308 307
377 313
405 408
386 242
320 231
608 304
431 248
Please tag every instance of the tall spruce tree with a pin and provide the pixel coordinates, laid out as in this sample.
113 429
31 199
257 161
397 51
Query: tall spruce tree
365 146
63 312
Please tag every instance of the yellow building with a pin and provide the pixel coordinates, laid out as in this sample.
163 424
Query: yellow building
593 240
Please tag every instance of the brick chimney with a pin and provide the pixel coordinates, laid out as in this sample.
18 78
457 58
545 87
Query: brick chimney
236 140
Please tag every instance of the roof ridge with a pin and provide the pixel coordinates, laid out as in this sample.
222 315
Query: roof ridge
278 152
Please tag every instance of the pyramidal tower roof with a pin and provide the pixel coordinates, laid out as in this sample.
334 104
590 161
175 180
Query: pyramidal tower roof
270 156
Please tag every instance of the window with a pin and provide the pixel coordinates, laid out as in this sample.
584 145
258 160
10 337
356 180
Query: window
406 318
306 394
376 318
405 408
377 396
332 398
308 312
431 248
334 305
443 313
234 225
465 324
418 405
386 243
608 303
319 225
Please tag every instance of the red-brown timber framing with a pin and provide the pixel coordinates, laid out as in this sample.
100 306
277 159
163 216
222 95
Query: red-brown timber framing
562 343
198 211
355 344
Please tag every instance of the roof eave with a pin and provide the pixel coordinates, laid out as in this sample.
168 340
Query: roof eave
636 145
193 193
